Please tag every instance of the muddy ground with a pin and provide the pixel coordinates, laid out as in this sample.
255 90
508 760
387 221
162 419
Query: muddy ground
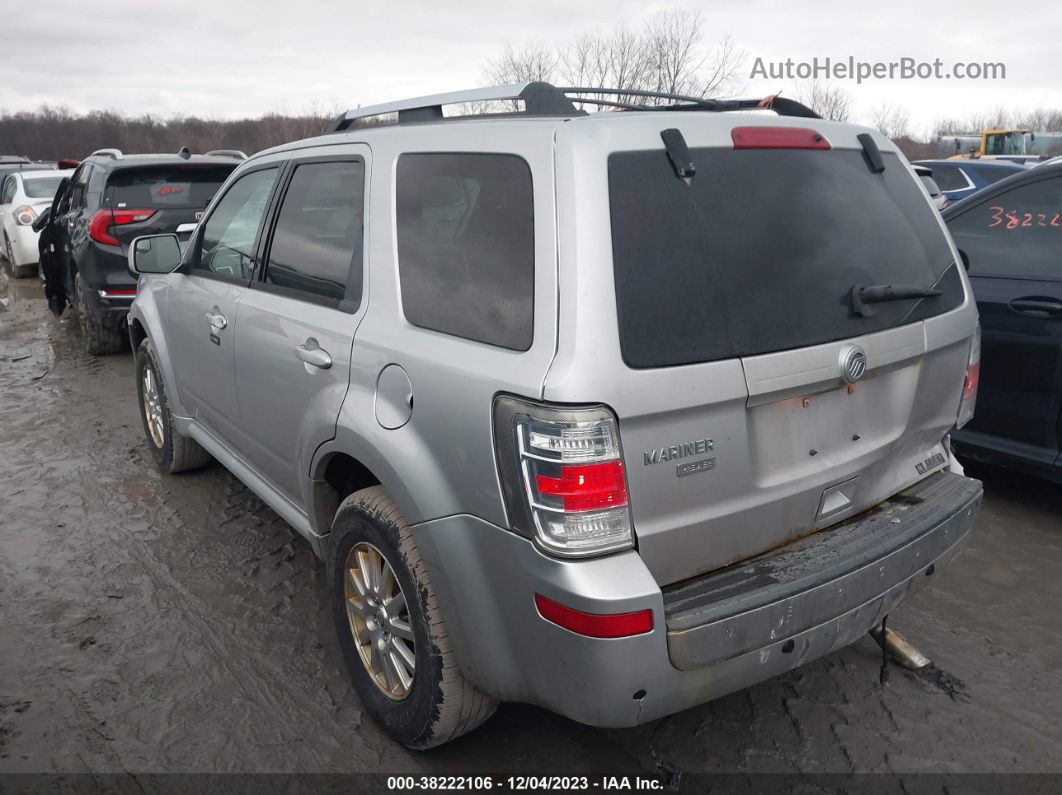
160 624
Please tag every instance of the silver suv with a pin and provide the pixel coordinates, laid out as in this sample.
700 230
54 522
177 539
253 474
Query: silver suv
613 413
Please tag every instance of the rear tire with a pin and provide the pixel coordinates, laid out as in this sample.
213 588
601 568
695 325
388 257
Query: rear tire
172 452
439 704
99 340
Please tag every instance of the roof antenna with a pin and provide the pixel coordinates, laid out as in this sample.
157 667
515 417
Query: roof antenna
679 154
184 153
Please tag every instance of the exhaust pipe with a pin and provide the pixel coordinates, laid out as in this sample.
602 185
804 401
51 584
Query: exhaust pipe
899 648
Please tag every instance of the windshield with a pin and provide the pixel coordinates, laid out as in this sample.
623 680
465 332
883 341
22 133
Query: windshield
761 251
40 187
1005 143
165 186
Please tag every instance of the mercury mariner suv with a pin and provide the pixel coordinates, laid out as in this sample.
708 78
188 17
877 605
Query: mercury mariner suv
613 412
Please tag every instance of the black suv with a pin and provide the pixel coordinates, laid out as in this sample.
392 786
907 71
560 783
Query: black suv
111 199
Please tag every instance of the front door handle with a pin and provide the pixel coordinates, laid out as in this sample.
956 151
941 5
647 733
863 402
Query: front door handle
1037 307
216 319
313 354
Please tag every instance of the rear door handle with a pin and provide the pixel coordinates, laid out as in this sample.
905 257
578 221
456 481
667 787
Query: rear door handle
1037 307
313 354
216 319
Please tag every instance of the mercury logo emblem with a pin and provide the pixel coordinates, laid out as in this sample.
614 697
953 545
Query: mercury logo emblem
853 363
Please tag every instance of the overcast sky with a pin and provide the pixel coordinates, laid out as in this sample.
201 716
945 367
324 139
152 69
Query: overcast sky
233 58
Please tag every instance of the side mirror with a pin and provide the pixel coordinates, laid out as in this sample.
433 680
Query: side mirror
154 254
41 220
965 259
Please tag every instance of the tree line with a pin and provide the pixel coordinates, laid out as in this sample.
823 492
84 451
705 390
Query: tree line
52 133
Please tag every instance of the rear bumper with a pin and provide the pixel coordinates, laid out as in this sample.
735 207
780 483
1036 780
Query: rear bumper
872 560
711 636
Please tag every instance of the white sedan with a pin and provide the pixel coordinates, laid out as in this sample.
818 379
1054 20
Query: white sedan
23 195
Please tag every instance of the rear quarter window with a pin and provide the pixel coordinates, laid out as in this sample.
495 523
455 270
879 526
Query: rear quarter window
949 178
466 258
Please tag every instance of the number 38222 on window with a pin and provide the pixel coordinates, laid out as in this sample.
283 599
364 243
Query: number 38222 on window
1003 218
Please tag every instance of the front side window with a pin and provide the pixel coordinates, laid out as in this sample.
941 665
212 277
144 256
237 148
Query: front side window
317 244
466 245
227 244
1017 234
77 193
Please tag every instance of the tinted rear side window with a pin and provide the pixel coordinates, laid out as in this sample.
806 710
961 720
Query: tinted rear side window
761 252
466 254
317 243
165 186
950 178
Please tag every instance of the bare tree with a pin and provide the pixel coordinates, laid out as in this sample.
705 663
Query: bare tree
893 120
829 102
668 55
535 61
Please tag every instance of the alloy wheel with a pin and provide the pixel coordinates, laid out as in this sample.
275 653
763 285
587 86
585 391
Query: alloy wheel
153 407
379 620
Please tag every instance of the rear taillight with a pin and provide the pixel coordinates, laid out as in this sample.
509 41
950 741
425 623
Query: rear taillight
25 215
102 222
973 378
562 474
778 138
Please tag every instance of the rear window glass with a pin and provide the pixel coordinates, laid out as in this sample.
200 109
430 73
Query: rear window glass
165 186
466 246
41 187
761 251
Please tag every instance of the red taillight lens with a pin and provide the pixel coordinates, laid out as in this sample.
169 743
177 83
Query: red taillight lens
563 477
778 138
973 379
587 487
595 625
101 223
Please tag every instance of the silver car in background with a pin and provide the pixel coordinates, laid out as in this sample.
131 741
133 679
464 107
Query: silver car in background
614 413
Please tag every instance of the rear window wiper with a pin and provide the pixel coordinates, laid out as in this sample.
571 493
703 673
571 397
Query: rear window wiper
880 293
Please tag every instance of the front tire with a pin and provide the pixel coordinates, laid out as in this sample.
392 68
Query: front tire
423 700
172 452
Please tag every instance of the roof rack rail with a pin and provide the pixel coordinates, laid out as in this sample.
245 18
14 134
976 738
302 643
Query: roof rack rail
113 154
544 99
236 153
539 99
